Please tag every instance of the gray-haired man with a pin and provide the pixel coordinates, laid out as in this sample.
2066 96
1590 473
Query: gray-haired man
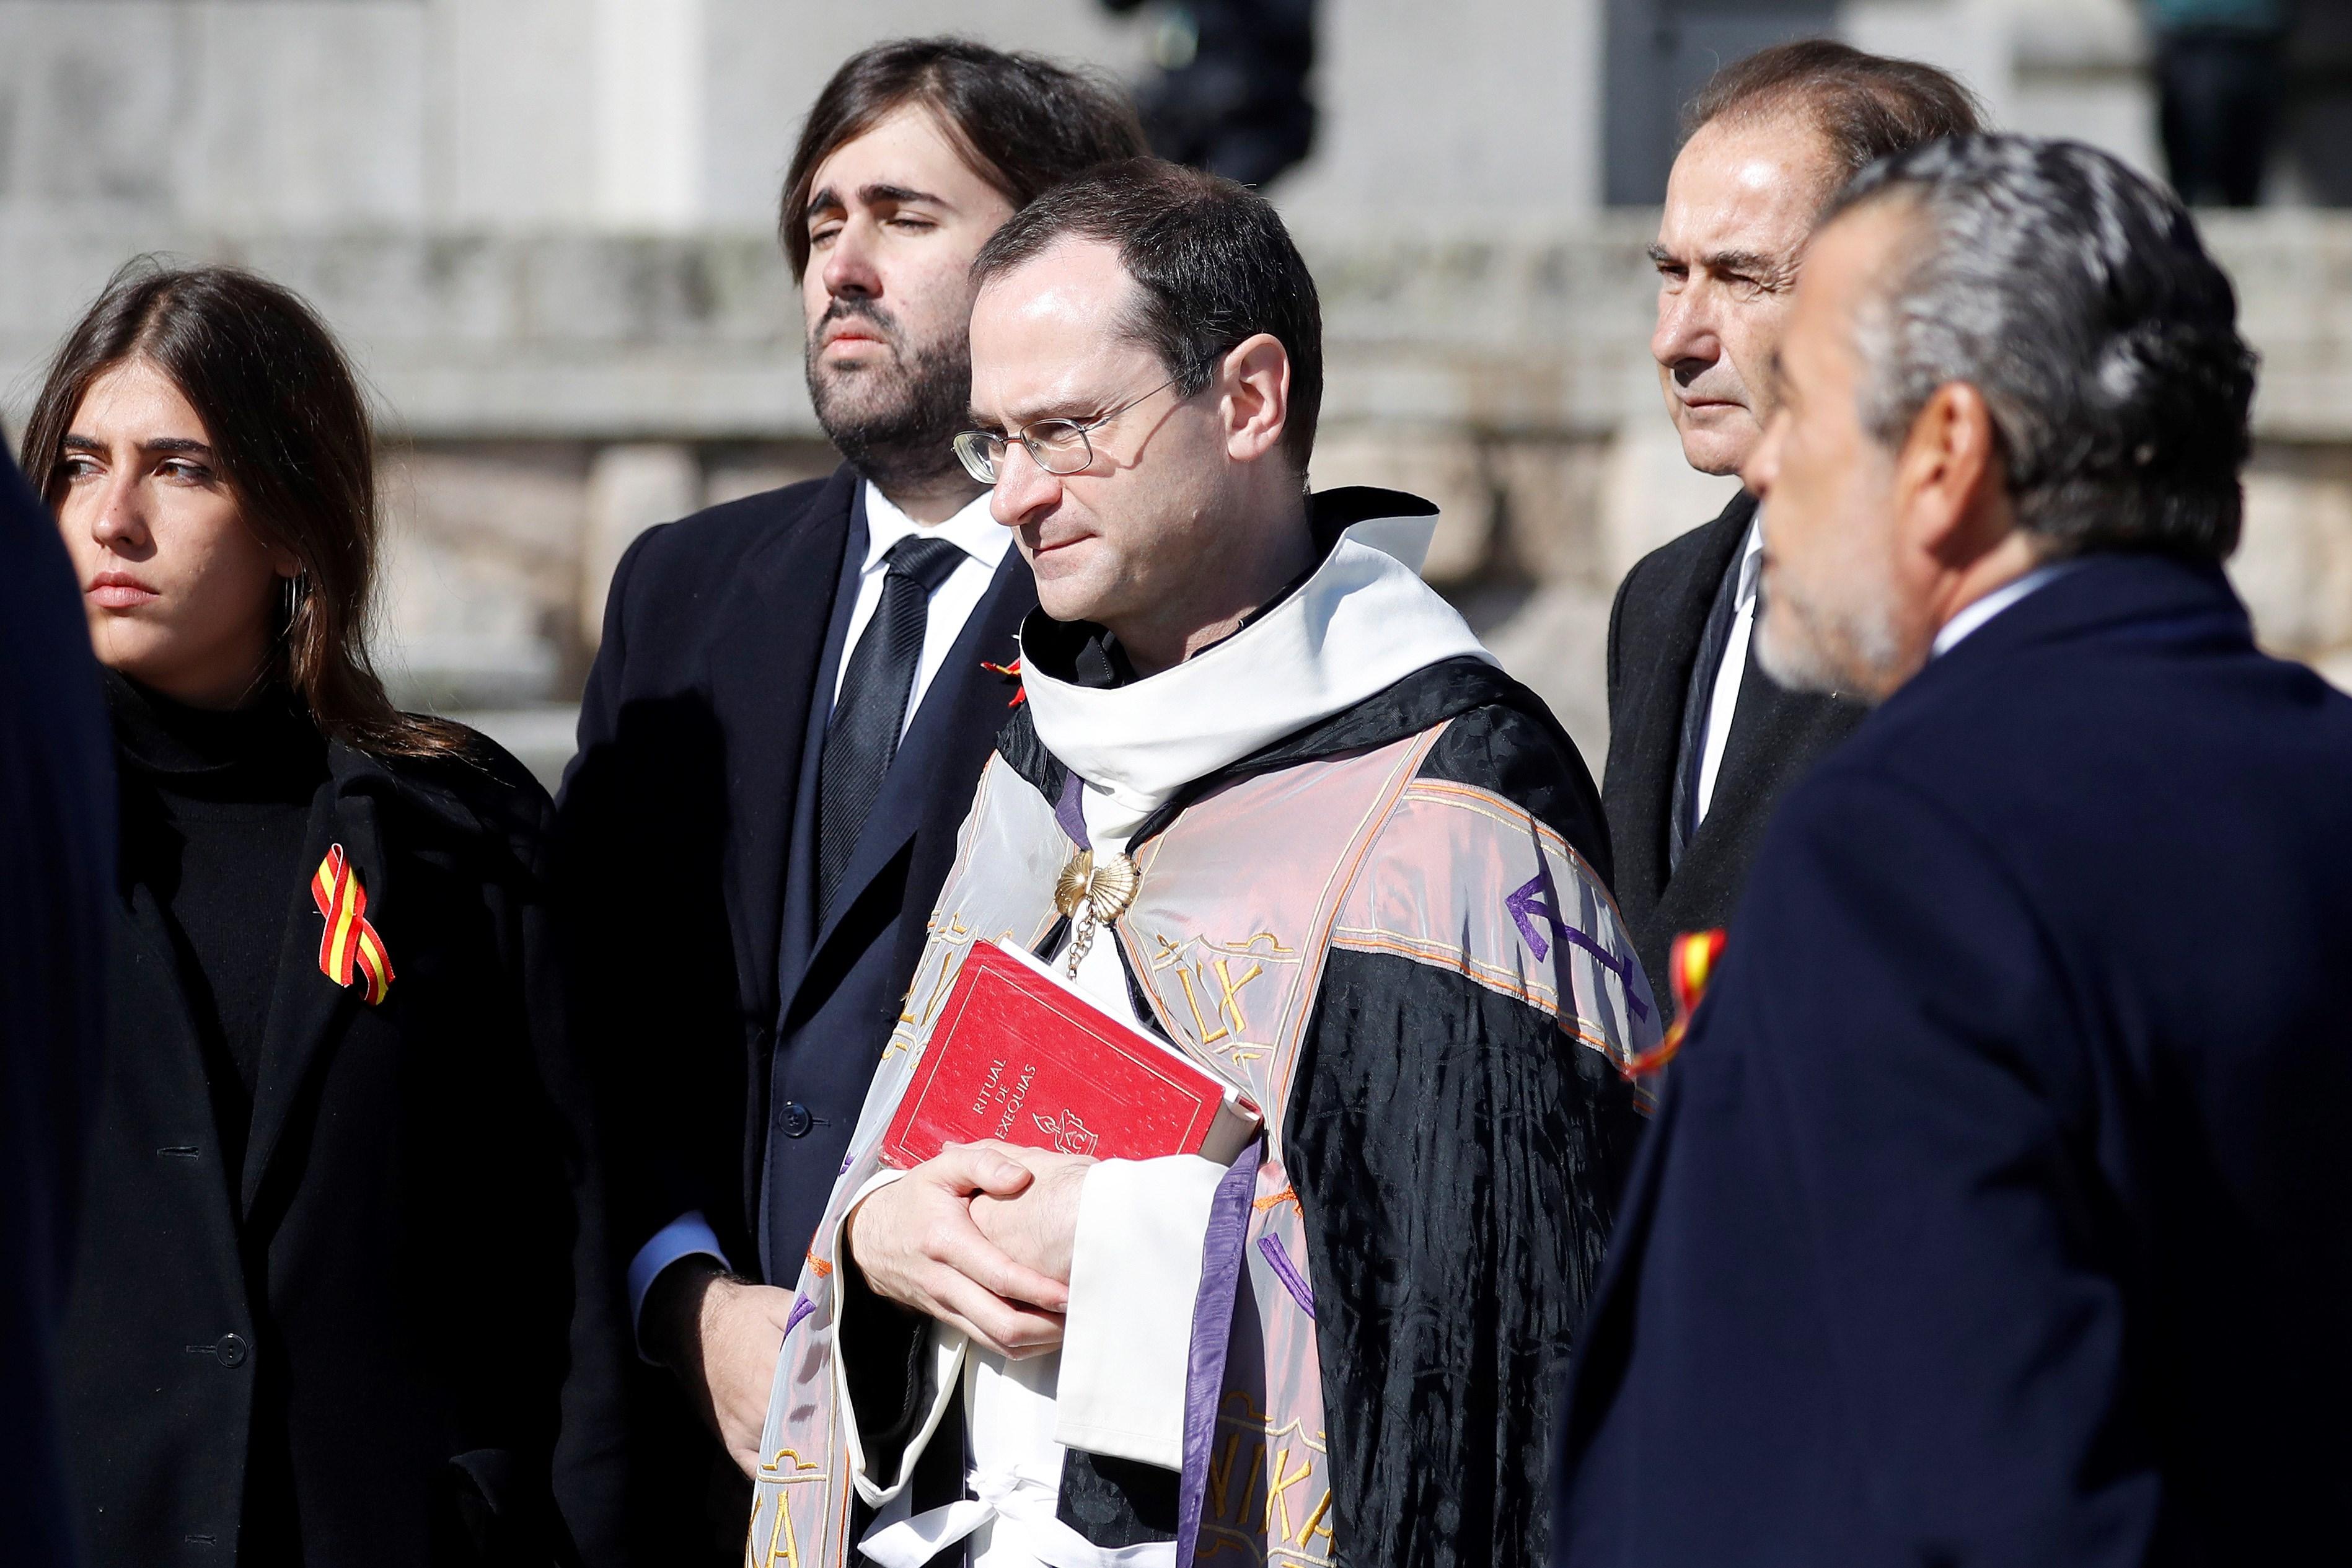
1995 1210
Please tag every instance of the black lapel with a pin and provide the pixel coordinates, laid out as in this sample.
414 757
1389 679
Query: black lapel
962 711
1777 736
308 1011
765 654
1658 671
798 887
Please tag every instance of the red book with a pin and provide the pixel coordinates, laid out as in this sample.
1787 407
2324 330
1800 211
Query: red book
1020 1056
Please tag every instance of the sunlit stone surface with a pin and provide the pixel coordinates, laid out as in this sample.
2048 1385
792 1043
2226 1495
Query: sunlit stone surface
545 229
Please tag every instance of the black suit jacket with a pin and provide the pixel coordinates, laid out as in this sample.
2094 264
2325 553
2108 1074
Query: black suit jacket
1777 734
738 1033
680 813
56 856
389 1270
1995 1210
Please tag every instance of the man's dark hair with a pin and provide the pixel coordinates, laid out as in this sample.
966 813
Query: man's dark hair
1023 123
2076 297
1868 107
1212 263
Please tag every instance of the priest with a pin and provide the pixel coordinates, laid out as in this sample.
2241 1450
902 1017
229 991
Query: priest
1268 799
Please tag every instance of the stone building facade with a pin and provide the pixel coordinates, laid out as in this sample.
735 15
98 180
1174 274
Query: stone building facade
545 228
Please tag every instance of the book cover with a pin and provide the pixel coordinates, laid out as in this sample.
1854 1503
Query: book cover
1021 1056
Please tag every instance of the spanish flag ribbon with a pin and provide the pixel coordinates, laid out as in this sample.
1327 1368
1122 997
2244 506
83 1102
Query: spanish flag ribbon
1690 964
1011 672
350 941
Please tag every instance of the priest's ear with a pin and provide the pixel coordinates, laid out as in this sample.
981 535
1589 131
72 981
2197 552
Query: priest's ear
1253 387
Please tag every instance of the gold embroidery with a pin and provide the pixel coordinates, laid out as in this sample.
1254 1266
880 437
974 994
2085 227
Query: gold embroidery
1277 1494
1315 1525
1268 1527
908 1013
939 991
1224 1019
1200 1024
783 1527
1231 1003
1221 1475
784 1541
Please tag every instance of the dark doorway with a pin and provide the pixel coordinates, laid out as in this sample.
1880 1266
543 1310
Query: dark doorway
1660 53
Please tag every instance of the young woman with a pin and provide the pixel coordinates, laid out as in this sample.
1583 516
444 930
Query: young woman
326 1278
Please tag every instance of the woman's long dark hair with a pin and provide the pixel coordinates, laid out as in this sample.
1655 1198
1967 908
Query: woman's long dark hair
292 434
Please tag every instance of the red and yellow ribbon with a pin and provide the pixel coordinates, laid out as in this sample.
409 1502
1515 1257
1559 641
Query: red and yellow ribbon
1012 673
1690 964
350 943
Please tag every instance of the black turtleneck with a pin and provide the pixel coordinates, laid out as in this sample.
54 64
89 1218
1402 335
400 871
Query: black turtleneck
216 805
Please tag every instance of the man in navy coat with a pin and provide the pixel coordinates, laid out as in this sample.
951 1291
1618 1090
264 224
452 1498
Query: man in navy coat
782 733
57 870
1998 1205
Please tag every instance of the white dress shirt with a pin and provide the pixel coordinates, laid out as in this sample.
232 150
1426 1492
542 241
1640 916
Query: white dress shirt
983 542
1734 668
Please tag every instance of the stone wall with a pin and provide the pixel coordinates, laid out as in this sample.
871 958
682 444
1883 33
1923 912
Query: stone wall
542 226
543 398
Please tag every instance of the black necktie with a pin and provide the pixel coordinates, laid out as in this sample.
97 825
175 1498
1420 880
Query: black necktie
1698 699
862 735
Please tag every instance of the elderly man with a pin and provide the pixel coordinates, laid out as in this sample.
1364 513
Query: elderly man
1702 742
1995 1212
1269 800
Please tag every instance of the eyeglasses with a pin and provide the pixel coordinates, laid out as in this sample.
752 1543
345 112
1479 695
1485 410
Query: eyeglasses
1057 446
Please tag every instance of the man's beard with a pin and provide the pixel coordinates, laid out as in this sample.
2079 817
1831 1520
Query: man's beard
895 419
1849 652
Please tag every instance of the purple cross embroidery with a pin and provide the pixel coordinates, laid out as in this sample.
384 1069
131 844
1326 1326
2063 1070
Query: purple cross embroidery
1536 899
1287 1273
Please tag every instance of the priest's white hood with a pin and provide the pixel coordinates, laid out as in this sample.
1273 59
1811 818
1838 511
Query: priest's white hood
1361 623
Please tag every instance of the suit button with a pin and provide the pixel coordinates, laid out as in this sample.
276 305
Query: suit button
230 1349
797 1120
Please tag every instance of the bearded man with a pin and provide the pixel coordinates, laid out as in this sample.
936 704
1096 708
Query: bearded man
793 698
1270 801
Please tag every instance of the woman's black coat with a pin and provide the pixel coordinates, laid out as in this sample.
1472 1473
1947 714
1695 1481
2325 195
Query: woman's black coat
391 1273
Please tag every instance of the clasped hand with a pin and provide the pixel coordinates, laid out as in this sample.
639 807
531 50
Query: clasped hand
978 1238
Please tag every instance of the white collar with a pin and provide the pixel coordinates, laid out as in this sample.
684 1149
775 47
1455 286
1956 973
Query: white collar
1977 612
971 531
1361 623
